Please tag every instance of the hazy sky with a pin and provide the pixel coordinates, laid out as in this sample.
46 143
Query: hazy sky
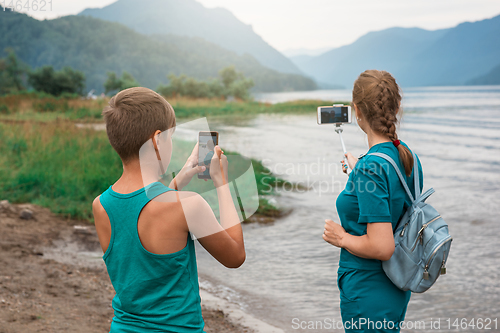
320 24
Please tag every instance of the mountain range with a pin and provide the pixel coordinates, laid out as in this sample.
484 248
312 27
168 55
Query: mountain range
153 38
465 54
95 46
490 78
192 19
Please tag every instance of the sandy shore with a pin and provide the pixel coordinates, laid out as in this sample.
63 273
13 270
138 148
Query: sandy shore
51 279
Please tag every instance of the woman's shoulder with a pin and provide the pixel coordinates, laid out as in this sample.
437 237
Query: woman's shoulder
370 161
371 166
374 164
387 148
377 164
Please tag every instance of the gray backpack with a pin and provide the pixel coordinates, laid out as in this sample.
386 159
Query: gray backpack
421 238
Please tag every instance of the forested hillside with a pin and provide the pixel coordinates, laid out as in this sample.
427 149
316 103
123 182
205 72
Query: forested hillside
96 47
191 18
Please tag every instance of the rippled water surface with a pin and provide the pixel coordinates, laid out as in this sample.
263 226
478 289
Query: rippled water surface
290 271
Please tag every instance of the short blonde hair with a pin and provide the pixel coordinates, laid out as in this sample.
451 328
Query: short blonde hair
132 117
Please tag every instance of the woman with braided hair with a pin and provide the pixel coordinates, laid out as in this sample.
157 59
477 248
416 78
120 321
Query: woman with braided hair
369 208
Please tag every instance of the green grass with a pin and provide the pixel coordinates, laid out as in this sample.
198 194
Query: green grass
203 108
56 165
43 107
62 167
46 160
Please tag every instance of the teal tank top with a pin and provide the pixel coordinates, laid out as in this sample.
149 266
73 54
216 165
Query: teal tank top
373 193
154 292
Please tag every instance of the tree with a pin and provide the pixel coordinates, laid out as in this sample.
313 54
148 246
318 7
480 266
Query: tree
235 83
228 76
241 88
53 82
189 87
113 83
229 83
70 81
12 74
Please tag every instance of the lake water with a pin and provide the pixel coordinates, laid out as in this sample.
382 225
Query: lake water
290 271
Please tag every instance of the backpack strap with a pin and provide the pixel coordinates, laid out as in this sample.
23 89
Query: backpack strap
416 177
403 181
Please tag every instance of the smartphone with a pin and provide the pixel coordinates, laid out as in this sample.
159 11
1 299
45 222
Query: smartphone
206 143
336 114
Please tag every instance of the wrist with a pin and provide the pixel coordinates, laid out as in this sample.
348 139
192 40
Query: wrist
345 240
218 181
176 182
222 188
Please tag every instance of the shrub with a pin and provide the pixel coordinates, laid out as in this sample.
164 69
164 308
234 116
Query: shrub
56 83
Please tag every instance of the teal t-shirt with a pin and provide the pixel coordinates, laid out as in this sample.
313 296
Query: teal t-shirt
373 193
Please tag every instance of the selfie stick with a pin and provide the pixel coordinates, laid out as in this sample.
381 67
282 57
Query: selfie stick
339 130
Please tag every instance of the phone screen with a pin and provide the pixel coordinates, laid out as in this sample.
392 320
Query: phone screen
207 142
333 114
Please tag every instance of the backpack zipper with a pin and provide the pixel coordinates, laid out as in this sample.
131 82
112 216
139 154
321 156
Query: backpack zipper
403 230
426 273
420 232
427 224
443 265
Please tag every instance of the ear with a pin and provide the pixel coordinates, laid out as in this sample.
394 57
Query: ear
357 114
156 142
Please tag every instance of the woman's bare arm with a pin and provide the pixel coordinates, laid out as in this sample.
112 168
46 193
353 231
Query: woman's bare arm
378 243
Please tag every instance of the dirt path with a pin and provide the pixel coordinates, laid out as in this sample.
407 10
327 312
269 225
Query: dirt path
39 294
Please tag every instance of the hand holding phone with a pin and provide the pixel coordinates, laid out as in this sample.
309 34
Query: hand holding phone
187 172
218 167
206 145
